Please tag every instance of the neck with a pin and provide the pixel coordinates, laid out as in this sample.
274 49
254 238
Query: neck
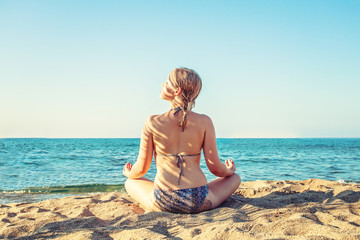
176 104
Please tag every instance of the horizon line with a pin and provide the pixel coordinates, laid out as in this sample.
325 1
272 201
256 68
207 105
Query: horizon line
216 138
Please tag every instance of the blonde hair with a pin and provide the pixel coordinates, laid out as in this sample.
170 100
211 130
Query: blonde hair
190 83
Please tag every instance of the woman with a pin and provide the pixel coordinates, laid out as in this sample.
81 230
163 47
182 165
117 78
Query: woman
176 139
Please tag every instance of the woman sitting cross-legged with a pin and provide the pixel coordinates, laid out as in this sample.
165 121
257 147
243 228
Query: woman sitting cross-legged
176 139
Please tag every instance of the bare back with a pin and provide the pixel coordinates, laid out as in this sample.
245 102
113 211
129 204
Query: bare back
169 140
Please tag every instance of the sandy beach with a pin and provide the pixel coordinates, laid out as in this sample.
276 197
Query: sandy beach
309 209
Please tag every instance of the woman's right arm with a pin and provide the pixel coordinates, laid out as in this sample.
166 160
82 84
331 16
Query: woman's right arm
144 159
212 159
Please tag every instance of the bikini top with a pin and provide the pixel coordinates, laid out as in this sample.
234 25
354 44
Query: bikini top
180 160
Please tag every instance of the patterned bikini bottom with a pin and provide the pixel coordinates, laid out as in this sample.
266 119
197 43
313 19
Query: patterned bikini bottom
187 200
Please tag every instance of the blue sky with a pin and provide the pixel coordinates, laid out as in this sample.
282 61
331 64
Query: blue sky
94 68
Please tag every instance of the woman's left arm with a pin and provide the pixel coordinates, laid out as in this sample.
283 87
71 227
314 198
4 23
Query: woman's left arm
143 161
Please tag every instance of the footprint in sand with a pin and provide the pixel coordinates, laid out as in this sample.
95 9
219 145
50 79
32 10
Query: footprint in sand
11 214
5 220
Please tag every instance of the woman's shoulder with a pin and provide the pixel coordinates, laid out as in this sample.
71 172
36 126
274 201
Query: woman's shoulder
202 116
151 118
154 118
202 119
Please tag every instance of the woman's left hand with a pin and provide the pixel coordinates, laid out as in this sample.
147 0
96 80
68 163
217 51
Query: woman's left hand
230 166
127 169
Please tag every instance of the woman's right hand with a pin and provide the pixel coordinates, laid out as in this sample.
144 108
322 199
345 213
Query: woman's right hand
127 169
230 166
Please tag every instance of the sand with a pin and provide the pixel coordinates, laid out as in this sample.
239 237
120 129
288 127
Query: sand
309 209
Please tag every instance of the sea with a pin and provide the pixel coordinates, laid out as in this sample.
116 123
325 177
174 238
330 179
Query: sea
35 169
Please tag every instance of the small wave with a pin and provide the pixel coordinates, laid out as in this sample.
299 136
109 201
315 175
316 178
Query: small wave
88 188
348 181
341 181
32 163
40 151
131 145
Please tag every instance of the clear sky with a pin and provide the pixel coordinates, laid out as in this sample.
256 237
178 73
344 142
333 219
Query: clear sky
270 68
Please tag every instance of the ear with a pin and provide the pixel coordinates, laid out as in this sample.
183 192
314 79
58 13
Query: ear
178 91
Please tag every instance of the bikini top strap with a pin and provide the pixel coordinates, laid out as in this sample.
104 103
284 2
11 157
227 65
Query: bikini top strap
180 160
177 110
174 155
